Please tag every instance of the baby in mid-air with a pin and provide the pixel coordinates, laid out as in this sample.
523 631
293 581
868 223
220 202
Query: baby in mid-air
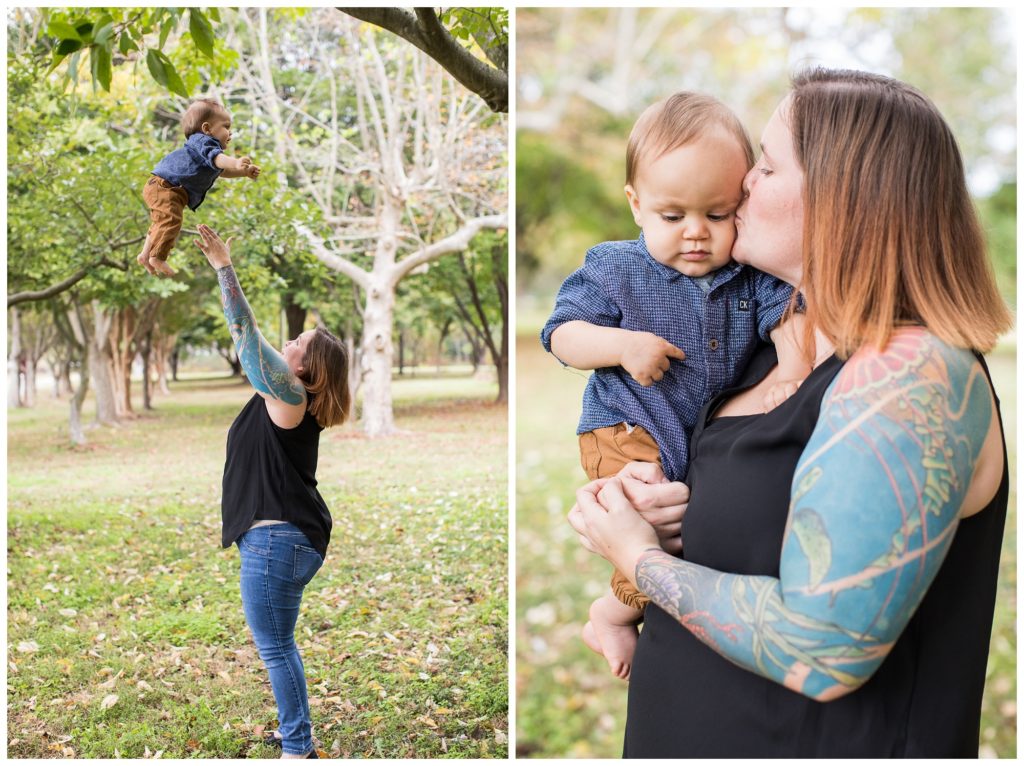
668 320
185 175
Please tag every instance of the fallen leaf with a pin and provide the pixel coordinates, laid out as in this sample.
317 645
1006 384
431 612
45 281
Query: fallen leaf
27 647
108 702
67 612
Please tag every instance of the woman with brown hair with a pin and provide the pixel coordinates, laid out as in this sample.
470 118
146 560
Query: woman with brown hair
270 505
837 583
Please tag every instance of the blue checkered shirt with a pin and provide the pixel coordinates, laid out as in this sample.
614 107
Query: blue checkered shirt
621 285
192 167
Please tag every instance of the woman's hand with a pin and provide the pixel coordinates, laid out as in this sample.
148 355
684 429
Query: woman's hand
610 526
217 252
662 503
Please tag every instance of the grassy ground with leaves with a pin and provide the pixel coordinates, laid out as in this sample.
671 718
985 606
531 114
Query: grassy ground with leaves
125 630
567 703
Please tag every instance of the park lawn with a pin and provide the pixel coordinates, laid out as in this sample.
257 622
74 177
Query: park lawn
125 630
567 702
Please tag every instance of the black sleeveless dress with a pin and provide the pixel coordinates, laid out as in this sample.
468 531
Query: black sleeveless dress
686 701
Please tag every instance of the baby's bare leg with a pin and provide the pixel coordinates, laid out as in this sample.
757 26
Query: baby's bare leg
612 631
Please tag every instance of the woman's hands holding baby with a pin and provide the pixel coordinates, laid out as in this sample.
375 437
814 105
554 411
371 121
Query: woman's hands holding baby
620 518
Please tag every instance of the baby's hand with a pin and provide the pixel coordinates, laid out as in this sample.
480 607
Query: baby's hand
243 163
780 392
646 357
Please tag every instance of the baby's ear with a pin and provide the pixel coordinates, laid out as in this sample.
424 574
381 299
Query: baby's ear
634 202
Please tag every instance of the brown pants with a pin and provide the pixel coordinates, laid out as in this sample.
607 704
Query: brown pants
603 452
166 204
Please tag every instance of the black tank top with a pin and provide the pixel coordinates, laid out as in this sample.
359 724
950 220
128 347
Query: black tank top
685 700
270 473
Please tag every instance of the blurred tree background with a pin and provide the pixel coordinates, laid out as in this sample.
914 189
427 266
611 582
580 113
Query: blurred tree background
583 76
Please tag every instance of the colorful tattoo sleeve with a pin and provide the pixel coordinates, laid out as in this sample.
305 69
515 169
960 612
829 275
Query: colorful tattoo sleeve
263 364
875 504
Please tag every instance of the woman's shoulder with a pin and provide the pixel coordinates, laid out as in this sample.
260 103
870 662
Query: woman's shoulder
911 357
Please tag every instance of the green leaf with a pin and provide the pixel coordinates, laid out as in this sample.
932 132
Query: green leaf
215 14
125 44
174 82
202 32
100 61
64 47
61 29
165 29
155 62
104 29
84 30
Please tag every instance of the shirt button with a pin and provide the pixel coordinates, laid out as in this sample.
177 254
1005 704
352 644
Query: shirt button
713 344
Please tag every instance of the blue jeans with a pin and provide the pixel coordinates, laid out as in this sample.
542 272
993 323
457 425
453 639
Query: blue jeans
277 563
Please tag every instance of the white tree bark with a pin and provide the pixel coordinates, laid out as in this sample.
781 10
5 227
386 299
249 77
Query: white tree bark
101 364
14 362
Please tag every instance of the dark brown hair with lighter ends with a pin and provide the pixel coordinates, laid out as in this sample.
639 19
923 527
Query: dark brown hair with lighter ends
325 376
676 121
891 236
199 111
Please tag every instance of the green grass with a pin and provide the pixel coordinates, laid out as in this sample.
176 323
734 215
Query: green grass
567 703
117 585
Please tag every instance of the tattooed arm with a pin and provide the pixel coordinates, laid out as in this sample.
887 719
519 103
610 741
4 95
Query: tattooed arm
266 369
877 497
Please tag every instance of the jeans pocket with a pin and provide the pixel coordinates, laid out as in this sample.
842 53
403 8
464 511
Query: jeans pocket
307 564
246 541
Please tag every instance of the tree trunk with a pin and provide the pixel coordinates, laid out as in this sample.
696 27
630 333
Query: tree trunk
401 351
99 363
75 421
378 417
145 347
175 355
501 363
31 367
164 348
122 353
76 337
355 368
14 362
295 316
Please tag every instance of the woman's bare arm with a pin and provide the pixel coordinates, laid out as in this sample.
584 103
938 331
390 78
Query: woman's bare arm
877 497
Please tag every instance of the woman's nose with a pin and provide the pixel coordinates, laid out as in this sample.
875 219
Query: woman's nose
748 181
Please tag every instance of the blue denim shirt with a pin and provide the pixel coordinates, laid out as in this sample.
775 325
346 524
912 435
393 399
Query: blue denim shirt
192 167
621 285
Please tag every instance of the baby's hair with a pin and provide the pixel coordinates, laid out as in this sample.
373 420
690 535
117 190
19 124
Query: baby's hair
199 111
676 121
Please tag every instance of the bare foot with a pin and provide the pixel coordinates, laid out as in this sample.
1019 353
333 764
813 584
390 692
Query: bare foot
590 638
143 260
160 268
614 626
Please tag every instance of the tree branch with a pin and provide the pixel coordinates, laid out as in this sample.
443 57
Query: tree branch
453 243
425 31
332 260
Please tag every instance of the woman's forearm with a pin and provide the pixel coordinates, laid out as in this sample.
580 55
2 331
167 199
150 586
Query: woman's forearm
264 366
744 619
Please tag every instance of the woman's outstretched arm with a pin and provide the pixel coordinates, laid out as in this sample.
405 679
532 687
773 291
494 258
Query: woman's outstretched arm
877 497
266 369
